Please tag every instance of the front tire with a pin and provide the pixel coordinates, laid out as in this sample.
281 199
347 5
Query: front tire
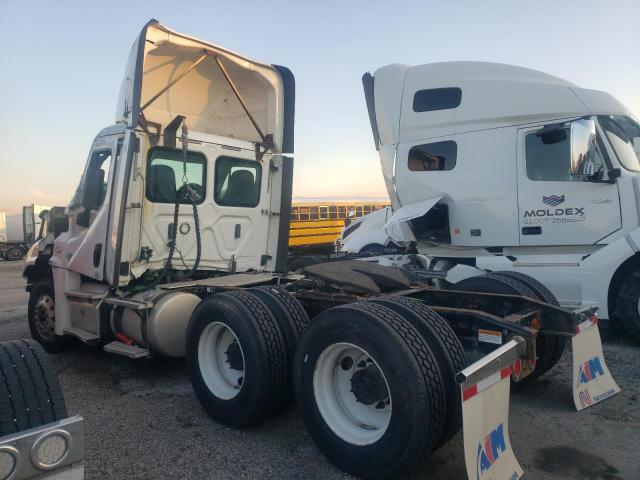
369 390
42 318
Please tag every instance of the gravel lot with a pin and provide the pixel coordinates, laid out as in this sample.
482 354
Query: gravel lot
142 420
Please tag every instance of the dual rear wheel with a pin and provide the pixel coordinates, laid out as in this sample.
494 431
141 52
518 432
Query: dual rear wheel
373 381
239 352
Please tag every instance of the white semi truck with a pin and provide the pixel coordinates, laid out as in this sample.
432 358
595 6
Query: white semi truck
18 232
176 244
492 167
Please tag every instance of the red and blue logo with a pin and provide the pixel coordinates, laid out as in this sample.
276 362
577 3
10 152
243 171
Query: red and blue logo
494 446
590 370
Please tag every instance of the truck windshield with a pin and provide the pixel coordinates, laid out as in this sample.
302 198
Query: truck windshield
620 132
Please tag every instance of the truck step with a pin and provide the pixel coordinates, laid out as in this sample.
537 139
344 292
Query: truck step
128 303
84 336
130 351
83 296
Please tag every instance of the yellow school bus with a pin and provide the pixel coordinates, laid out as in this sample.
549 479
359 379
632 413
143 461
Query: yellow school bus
316 224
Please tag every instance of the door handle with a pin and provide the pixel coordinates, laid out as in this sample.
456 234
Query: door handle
97 253
531 230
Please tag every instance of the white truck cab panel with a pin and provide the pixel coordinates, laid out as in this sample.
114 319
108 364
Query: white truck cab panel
234 112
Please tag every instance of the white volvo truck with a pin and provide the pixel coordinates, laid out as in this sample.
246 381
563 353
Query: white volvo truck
492 167
176 244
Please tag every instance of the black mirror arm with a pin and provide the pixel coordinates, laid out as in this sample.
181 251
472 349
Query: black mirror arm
613 174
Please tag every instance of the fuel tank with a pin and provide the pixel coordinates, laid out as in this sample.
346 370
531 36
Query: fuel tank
166 323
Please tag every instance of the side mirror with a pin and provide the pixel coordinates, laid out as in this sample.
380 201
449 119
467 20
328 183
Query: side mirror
583 146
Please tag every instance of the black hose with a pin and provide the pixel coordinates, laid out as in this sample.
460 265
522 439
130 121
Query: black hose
196 220
172 243
189 194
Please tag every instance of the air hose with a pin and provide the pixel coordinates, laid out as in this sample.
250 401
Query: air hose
188 193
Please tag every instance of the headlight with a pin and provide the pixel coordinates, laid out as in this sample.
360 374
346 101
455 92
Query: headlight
9 458
51 449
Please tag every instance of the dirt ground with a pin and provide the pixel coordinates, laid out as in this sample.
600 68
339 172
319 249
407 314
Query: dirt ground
143 421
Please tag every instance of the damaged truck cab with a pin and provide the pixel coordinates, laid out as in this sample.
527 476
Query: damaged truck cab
193 121
493 167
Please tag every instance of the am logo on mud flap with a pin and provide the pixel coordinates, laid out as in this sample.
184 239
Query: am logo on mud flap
590 370
494 446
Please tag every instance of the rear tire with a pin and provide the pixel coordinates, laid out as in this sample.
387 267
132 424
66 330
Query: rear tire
547 347
627 309
557 343
13 254
41 315
30 395
447 349
369 390
291 317
236 358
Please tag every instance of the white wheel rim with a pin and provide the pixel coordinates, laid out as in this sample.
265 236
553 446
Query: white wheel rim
220 372
350 418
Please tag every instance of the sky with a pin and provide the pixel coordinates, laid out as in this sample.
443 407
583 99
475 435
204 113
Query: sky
61 64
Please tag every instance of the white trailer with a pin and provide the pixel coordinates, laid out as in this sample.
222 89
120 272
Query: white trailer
18 232
492 167
14 228
176 244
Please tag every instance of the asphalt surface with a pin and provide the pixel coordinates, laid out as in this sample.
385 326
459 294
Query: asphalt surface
143 421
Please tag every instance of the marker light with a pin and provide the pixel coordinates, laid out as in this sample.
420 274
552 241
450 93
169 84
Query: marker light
51 449
9 457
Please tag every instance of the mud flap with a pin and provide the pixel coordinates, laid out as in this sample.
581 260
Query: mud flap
485 389
592 381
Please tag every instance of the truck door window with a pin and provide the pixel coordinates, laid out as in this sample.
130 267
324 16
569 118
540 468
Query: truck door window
551 161
237 182
96 179
436 156
165 171
93 186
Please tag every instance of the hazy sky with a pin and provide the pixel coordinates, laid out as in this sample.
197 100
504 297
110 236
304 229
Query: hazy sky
61 63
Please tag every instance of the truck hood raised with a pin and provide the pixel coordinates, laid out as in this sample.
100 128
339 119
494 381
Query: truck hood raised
204 95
